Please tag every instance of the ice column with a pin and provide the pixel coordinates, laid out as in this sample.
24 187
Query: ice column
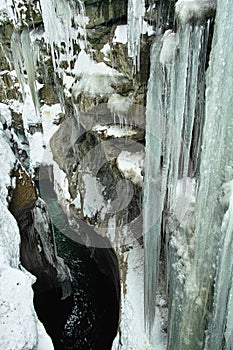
23 57
215 231
136 12
175 116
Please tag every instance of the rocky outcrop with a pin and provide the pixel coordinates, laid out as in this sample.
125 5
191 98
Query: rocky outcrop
107 12
38 250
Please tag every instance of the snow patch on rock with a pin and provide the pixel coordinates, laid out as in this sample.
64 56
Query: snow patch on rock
131 165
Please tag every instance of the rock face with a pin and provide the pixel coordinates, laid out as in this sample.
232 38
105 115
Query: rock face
52 289
101 12
78 108
37 250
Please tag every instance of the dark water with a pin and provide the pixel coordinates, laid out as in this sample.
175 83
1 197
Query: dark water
93 320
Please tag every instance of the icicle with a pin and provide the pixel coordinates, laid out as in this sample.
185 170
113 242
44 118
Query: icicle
172 102
65 24
217 165
29 65
136 12
152 192
22 52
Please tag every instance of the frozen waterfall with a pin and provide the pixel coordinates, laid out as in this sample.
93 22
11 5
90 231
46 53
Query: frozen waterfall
136 12
24 61
188 187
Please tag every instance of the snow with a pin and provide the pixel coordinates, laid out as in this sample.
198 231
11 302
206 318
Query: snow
93 201
120 35
19 325
8 159
131 165
9 253
85 65
18 321
49 115
106 49
44 341
77 202
30 115
113 131
188 10
133 336
95 78
40 152
93 85
36 149
5 114
147 28
6 10
61 184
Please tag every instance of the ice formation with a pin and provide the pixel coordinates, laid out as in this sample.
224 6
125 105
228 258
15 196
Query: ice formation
188 202
136 11
65 25
190 154
24 61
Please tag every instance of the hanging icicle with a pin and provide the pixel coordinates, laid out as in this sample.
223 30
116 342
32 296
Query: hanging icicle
174 97
23 57
136 12
65 25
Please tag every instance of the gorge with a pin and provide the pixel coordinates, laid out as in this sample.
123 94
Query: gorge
116 193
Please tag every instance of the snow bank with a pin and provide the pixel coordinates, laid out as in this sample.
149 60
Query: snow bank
10 239
5 114
133 336
61 184
19 325
95 78
85 65
20 328
189 10
93 202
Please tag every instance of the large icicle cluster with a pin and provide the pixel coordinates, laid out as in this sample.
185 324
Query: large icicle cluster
189 141
173 99
65 25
